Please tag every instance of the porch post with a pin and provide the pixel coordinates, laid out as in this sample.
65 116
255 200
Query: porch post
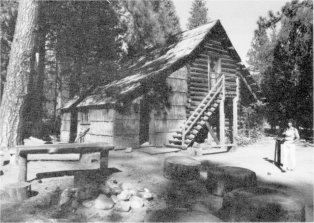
222 123
235 113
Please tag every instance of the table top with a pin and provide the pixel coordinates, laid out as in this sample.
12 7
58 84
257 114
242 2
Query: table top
64 148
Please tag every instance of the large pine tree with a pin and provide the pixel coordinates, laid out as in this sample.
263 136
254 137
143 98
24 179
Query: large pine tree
198 14
16 88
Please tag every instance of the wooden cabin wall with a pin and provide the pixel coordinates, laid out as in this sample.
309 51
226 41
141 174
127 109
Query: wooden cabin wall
164 123
65 127
127 126
101 124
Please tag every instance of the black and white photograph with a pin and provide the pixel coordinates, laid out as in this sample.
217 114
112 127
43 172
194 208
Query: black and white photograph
156 111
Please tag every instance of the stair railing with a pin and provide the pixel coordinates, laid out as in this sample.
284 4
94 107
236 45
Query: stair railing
217 89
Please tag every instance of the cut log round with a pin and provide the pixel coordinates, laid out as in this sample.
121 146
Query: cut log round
258 204
18 191
181 168
221 180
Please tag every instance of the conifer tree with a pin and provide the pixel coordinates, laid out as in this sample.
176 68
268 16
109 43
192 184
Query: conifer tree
198 14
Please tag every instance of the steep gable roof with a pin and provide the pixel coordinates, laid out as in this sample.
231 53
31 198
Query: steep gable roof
141 72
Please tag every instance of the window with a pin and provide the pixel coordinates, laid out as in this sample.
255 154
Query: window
84 117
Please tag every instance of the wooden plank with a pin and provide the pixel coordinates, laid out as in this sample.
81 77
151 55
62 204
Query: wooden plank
102 128
178 85
167 125
126 127
178 98
200 65
199 70
222 122
174 112
181 73
63 148
101 114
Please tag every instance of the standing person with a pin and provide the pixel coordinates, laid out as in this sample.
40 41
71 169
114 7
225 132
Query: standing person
291 135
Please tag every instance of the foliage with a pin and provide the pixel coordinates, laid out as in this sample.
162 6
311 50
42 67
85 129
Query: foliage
251 123
198 14
8 15
287 77
151 24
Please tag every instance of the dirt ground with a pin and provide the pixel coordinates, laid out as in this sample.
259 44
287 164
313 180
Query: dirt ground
146 171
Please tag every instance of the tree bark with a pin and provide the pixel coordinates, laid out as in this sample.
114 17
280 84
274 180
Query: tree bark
16 88
38 90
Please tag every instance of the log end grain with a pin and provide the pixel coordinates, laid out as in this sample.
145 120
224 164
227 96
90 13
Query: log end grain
221 180
181 168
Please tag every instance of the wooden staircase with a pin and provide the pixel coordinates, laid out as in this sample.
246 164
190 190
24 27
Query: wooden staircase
200 116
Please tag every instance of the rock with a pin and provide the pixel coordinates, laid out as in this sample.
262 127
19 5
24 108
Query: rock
126 186
145 195
128 150
136 202
110 188
105 189
75 204
65 196
133 192
88 203
114 198
116 190
123 206
1 172
124 195
102 202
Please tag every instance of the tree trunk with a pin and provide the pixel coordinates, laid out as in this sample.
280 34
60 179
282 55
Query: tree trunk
16 88
38 90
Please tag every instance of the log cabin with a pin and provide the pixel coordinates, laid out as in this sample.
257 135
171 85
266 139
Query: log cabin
188 91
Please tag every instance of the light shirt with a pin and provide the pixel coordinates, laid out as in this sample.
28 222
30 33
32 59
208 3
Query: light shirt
291 134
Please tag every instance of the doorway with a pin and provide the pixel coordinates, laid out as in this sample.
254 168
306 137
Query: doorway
144 121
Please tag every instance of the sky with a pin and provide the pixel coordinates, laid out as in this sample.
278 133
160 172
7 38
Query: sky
238 17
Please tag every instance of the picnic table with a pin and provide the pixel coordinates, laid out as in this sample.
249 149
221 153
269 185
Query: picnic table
62 148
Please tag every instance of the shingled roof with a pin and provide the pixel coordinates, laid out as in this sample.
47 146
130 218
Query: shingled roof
141 72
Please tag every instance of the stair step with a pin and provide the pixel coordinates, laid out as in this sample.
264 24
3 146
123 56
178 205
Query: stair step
175 141
177 136
173 146
197 127
205 118
201 123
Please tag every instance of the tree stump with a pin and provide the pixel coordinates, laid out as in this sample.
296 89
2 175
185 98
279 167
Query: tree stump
18 191
258 204
181 168
221 180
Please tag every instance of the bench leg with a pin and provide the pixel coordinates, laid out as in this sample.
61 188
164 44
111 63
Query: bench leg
22 168
104 156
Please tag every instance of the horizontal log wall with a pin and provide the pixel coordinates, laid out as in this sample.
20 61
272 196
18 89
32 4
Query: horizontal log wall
164 123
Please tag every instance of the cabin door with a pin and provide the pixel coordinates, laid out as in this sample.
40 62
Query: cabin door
213 71
144 121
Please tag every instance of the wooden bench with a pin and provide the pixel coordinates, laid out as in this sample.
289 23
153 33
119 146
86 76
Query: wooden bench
66 148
